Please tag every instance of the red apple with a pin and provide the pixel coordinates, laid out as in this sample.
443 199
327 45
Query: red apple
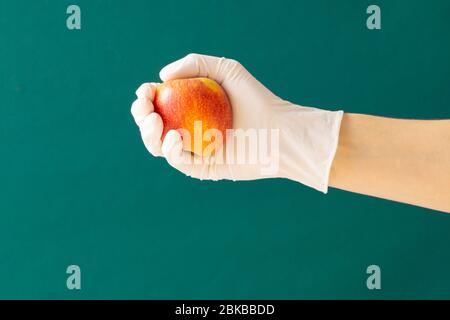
198 108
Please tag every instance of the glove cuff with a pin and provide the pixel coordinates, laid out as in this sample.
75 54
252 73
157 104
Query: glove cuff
308 142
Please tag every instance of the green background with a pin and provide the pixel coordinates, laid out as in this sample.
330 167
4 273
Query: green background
77 186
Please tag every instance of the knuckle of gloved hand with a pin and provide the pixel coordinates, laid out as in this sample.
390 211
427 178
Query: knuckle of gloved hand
192 56
234 64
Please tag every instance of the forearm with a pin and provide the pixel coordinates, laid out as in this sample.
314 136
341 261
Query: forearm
401 160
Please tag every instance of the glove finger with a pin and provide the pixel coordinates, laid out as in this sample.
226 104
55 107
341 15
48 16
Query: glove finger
151 131
172 150
143 105
140 109
146 90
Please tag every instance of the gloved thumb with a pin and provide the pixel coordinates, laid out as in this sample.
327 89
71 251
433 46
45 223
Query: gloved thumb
197 65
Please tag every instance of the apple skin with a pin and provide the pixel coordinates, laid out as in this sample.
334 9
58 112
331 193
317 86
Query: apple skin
182 102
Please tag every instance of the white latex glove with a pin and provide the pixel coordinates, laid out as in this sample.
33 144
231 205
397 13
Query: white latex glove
302 141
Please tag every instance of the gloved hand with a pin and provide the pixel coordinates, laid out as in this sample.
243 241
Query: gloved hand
294 142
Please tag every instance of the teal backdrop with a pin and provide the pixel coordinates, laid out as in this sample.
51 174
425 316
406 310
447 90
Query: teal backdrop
77 186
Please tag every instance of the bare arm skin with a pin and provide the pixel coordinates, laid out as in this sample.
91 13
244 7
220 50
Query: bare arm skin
401 160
